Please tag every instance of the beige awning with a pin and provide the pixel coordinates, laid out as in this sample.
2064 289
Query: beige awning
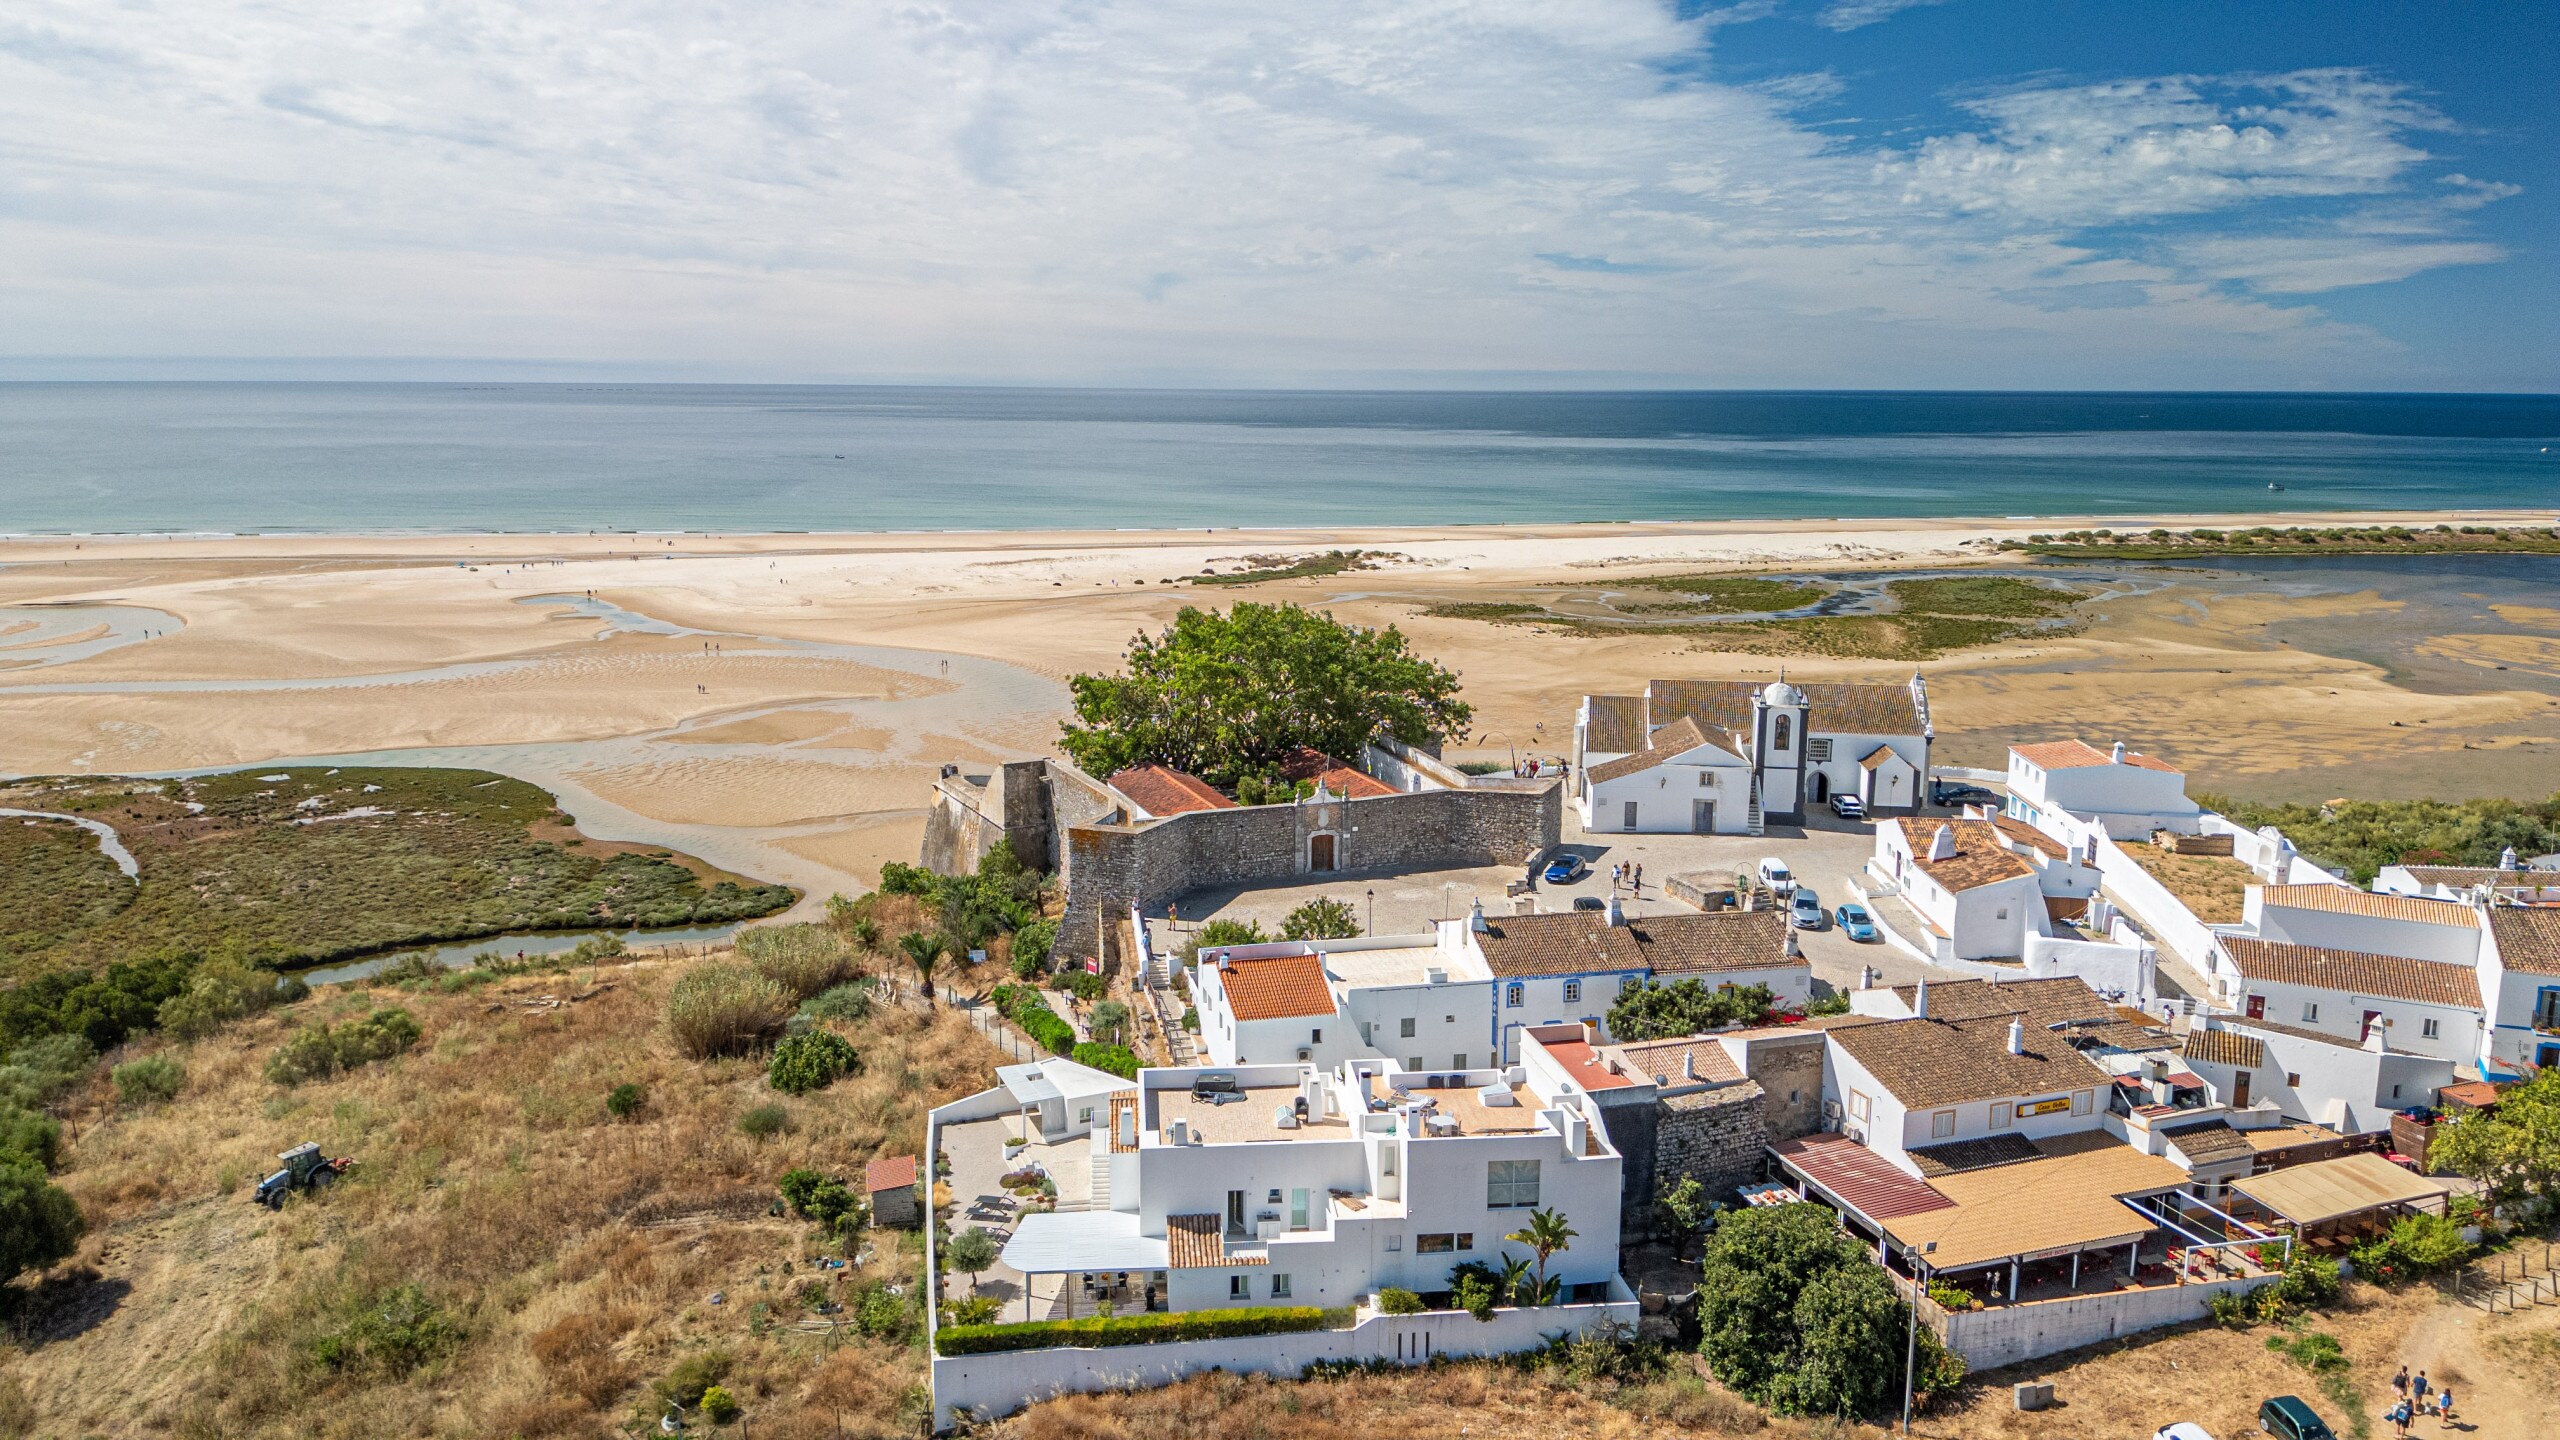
2332 1189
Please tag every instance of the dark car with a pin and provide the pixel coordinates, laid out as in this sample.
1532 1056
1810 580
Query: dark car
1565 869
2287 1418
1589 902
1950 794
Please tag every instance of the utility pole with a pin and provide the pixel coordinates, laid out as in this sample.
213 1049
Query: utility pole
1911 1342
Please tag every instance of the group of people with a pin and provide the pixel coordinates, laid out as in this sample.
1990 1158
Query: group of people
1627 875
2418 1399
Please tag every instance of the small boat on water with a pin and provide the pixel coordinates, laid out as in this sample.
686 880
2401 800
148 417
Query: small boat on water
2273 485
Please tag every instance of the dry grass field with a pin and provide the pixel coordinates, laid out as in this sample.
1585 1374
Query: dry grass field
561 1259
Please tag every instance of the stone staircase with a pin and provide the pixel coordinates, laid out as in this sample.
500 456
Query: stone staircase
1758 826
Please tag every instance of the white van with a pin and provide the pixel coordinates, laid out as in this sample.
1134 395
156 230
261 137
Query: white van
1775 874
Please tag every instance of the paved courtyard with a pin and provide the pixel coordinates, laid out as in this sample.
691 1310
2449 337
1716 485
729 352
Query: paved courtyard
979 1201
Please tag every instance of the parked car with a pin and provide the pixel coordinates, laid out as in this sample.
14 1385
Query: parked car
2182 1430
1589 902
1567 868
2286 1417
1848 807
1952 793
1855 922
1805 909
1775 874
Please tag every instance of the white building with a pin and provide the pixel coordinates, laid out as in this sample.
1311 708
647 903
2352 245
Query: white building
2341 917
1978 891
2422 1007
2520 987
1320 1187
2312 1075
1459 999
1721 756
2126 794
2508 881
1965 1061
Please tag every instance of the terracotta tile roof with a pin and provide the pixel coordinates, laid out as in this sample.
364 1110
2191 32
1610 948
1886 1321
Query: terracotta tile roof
1668 1062
2029 836
2211 1142
894 1172
1957 1156
1282 987
2528 938
2081 755
2297 1032
1876 757
2067 1198
1198 1242
2347 900
2224 1047
1616 723
1945 1062
1679 736
1161 790
1979 859
2042 1002
1834 708
1305 763
1859 1177
2353 971
2462 877
1583 942
1123 1102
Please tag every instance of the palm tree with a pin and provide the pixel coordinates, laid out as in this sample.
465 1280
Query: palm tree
924 951
1545 1233
1515 1271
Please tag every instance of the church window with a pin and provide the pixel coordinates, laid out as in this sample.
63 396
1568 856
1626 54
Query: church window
1783 734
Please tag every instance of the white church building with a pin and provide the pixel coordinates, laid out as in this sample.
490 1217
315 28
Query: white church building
1721 757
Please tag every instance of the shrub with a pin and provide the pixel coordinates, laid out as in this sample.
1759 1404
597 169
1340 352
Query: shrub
323 1051
221 991
804 960
719 1406
1032 945
1024 1007
1116 1059
811 1062
31 1136
1320 919
392 1336
972 1310
818 1197
718 1008
1650 1010
1473 1294
901 879
39 1223
1109 1022
1084 985
1095 1332
849 1001
884 1316
763 1122
52 1065
1953 1297
1395 1301
625 1100
684 1385
151 1079
2416 1245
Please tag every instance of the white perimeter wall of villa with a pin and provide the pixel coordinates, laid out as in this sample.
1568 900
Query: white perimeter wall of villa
2128 801
2348 1088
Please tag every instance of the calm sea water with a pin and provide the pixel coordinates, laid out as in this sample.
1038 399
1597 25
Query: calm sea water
269 457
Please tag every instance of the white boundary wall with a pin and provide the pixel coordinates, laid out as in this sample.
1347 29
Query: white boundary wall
2009 1334
992 1385
2103 965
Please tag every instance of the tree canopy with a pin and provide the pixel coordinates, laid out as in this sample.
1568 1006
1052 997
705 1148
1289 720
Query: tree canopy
1796 1315
1650 1010
1225 696
2513 1150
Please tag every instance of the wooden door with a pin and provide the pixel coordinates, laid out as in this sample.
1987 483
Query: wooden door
1320 853
2257 1007
2240 1090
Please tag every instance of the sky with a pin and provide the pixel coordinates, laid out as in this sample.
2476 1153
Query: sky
1942 194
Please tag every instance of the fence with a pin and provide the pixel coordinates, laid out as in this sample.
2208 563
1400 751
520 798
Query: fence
2529 1274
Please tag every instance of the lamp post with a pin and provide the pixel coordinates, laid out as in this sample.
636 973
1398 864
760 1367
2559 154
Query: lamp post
1373 912
1911 1342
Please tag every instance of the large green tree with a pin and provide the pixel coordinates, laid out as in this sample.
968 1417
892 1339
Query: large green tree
1650 1010
1228 695
2513 1150
1794 1314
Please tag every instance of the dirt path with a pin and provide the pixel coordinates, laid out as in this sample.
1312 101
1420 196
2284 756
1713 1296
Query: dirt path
2505 1370
124 1346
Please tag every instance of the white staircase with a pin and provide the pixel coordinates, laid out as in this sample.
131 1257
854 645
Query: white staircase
1758 826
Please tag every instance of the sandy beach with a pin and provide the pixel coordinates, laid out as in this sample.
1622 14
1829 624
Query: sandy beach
779 702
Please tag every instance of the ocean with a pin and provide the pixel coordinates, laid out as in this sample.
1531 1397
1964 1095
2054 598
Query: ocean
282 457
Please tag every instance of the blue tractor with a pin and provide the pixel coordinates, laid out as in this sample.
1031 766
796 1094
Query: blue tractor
305 1168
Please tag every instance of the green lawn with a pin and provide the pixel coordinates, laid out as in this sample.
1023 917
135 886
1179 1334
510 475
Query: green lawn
420 856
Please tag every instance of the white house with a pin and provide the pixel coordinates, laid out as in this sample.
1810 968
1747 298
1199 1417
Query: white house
2423 1007
1978 893
2520 988
1903 1088
1060 1097
1721 756
2508 880
2341 917
1569 967
1423 1001
2312 1075
2126 794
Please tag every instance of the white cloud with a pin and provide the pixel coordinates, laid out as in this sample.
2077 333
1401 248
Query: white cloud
1857 14
1156 189
2306 265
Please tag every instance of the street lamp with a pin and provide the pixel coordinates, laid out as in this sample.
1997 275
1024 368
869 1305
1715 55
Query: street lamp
1373 912
1911 1342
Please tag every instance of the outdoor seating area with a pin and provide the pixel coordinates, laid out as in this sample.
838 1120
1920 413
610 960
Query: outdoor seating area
2332 1205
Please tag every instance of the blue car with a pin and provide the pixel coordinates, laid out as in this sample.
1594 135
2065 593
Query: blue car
1855 922
1565 869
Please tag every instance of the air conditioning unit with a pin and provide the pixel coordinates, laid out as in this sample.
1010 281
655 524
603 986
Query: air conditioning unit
1305 1053
1830 1109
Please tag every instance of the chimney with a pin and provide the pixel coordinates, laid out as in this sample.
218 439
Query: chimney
2017 1037
1920 999
1942 846
2507 858
2116 756
1617 913
1181 1132
1475 917
1689 1064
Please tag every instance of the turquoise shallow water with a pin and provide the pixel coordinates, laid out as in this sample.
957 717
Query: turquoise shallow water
160 457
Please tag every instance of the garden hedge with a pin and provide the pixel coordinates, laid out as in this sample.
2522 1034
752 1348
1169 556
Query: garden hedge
1096 1332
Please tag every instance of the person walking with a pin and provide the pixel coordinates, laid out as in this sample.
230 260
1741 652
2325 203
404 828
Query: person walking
2444 1406
2418 1391
2400 1383
2399 1418
1639 879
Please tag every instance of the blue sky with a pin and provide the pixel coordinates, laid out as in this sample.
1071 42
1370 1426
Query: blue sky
1854 193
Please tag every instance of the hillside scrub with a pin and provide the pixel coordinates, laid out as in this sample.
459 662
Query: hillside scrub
407 857
720 1007
805 960
2362 836
325 1050
812 1061
559 1258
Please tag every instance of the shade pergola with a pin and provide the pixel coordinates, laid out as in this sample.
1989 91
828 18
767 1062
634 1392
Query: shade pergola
2327 1190
1085 1242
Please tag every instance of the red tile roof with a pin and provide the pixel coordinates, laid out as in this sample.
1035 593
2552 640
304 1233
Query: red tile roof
895 1172
1279 988
2347 900
1582 1064
1859 1178
1161 790
2353 971
1304 763
2081 755
1197 1242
